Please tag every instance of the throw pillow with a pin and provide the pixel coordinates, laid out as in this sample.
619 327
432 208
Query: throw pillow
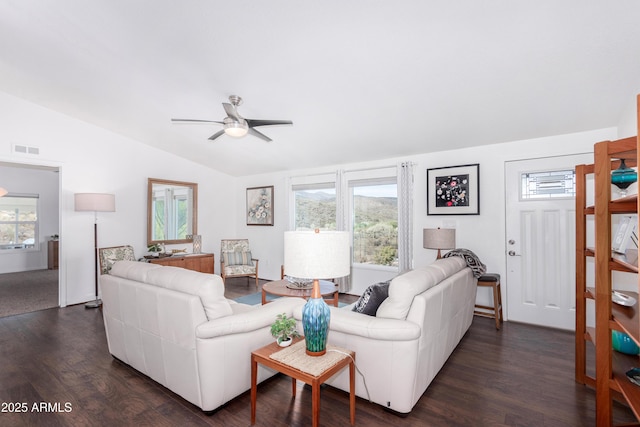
229 258
237 258
245 258
371 298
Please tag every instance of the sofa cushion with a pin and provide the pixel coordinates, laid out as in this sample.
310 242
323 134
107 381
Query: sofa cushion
371 298
406 286
209 287
132 270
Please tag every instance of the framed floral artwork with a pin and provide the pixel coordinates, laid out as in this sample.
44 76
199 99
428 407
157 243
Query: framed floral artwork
260 205
453 190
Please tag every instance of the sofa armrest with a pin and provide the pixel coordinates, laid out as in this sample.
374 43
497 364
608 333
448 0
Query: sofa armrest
352 323
260 317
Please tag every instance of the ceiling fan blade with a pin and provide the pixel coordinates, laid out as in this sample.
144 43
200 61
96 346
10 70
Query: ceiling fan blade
254 122
216 135
195 121
260 135
231 111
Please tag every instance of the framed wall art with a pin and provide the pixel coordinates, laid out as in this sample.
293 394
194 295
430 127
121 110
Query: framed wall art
260 205
453 190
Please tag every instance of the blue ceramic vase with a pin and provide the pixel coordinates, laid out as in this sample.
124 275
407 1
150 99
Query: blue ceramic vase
315 322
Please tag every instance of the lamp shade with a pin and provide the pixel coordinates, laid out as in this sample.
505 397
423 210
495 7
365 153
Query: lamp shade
95 202
439 238
317 254
3 191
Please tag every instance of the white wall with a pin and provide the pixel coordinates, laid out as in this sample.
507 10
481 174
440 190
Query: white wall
94 160
628 124
484 234
45 184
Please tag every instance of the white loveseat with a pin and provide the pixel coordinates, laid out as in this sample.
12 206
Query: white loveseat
401 349
176 326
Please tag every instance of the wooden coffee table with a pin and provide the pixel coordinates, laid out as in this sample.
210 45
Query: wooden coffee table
262 356
279 288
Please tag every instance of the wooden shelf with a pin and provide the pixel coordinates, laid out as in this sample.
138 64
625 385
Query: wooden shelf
627 317
631 392
627 262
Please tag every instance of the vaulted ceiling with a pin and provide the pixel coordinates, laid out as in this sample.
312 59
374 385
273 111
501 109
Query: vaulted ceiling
361 80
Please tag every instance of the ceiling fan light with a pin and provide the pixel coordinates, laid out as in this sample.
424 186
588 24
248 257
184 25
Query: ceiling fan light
236 129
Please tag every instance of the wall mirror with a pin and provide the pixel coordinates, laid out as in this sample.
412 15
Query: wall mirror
172 211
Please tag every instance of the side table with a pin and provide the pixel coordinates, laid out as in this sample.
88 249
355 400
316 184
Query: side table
295 363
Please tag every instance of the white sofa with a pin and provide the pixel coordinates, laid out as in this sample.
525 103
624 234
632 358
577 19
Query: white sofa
176 326
401 349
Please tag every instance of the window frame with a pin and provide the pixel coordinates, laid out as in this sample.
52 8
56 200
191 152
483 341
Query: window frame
341 181
36 226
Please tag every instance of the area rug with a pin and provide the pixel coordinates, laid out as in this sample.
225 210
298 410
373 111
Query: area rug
28 291
256 299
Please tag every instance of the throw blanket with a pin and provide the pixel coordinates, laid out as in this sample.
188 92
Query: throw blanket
472 260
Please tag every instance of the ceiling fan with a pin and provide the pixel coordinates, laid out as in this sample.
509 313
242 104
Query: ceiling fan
234 124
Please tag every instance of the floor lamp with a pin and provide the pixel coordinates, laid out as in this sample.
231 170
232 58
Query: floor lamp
95 202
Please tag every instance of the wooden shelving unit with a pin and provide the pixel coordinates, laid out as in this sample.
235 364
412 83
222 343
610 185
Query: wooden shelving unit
610 367
584 335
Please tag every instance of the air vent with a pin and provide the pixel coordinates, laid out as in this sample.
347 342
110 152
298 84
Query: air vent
23 149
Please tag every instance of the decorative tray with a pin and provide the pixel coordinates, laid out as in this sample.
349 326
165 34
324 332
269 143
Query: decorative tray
622 299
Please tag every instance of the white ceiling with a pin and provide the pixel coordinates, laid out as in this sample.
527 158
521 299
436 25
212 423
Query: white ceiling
361 80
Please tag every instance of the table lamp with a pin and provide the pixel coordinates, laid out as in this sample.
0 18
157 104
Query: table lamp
439 238
317 255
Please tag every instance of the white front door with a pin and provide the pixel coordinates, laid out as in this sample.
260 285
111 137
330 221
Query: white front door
541 244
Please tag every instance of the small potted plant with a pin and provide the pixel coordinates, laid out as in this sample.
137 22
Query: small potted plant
155 249
284 330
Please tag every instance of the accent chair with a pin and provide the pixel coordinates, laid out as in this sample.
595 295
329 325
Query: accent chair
236 260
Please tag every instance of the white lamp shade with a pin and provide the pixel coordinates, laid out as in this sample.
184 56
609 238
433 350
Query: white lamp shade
439 238
317 255
95 202
3 191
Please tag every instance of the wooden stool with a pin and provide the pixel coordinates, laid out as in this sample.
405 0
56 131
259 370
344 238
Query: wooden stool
491 280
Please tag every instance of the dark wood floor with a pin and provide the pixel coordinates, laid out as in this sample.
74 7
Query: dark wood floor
519 376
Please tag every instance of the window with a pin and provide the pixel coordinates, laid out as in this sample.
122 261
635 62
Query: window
315 206
374 210
368 208
171 219
548 185
18 222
